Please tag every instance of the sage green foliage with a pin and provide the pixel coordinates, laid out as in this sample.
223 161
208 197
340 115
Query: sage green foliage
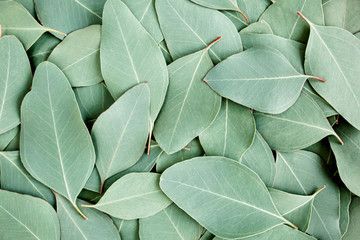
304 173
42 48
78 56
242 77
128 229
94 182
183 22
7 137
136 195
304 118
353 230
231 133
73 226
170 223
345 200
93 100
285 23
18 223
177 124
14 177
260 27
129 56
120 133
347 156
14 144
193 149
260 159
344 14
341 90
222 195
15 81
69 15
219 4
53 135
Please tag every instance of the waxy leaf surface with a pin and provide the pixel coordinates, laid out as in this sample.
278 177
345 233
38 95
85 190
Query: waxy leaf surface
42 48
7 137
354 229
345 200
128 229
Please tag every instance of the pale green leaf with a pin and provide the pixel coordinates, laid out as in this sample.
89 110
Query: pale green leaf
129 229
56 147
15 81
354 226
78 56
345 200
166 52
344 14
7 137
14 145
42 48
94 182
260 27
26 217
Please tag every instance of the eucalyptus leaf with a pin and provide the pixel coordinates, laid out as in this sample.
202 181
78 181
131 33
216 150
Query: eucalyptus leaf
260 27
15 81
56 147
193 149
353 230
16 20
17 214
144 11
78 56
299 127
129 56
14 177
282 18
231 133
219 4
93 100
341 90
347 156
260 159
171 223
28 4
292 50
186 28
14 145
344 14
41 49
69 15
345 200
120 133
304 173
255 78
73 226
6 137
136 195
222 195
166 52
177 124
94 182
128 229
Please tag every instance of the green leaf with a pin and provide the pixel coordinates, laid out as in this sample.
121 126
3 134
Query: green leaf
295 208
304 173
260 159
28 4
256 78
144 11
193 149
93 100
26 217
124 40
170 223
78 56
41 49
222 195
185 26
69 15
56 147
7 137
120 133
14 145
282 18
16 20
354 229
177 124
345 200
14 177
73 226
341 90
166 52
207 235
347 156
219 5
15 81
357 35
94 182
344 14
129 229
325 106
298 127
292 50
231 133
145 164
260 27
136 195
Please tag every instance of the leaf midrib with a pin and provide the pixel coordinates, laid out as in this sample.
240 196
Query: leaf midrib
88 9
6 82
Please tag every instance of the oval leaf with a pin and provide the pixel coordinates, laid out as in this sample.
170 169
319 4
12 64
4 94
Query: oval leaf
235 196
353 230
7 137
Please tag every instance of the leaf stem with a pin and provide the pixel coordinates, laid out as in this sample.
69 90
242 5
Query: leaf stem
211 44
241 12
303 17
0 30
78 210
56 31
318 191
321 79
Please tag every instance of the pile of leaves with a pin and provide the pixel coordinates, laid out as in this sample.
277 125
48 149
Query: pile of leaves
180 119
